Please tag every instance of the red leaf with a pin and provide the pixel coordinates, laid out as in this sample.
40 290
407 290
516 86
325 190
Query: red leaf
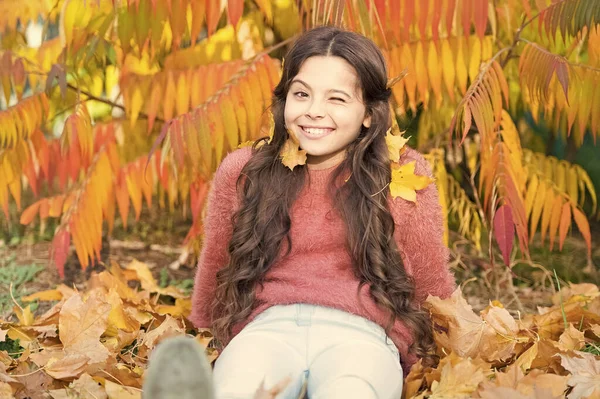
562 73
235 8
60 250
504 231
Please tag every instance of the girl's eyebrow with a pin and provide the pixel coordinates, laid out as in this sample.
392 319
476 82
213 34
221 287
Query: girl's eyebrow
308 87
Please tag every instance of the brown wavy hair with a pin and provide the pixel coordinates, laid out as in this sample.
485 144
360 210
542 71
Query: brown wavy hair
268 189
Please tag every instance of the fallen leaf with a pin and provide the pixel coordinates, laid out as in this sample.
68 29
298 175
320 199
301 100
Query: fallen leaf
585 374
584 292
571 339
87 387
49 295
492 337
149 283
25 316
5 391
182 308
116 391
555 384
66 366
81 324
453 383
405 183
168 328
3 335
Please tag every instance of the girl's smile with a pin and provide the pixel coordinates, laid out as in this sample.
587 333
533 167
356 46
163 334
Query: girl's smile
315 133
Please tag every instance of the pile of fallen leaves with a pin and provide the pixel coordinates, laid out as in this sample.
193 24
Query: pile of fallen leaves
493 355
95 344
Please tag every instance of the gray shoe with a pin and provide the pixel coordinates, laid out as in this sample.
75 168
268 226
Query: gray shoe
178 369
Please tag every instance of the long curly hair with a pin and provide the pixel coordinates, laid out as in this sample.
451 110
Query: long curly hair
267 191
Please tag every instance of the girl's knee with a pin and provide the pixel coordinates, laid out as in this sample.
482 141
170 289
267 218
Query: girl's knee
346 387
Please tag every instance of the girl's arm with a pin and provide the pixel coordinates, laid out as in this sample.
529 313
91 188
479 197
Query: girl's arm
419 235
222 202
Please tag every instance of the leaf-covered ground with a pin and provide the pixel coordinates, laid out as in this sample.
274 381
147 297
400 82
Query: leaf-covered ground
92 339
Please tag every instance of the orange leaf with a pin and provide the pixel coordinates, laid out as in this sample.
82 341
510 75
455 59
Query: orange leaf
29 213
584 227
565 222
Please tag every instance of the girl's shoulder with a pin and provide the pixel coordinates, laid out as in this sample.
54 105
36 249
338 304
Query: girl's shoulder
233 163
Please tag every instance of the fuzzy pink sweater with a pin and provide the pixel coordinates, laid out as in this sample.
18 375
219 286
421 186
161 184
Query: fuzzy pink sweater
318 270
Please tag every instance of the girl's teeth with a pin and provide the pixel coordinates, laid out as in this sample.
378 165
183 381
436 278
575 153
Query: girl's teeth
316 132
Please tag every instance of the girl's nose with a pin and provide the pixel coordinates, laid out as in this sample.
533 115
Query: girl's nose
316 110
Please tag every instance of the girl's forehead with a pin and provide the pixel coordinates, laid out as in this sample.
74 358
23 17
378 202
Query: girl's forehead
327 72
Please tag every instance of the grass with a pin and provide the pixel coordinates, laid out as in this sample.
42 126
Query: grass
18 275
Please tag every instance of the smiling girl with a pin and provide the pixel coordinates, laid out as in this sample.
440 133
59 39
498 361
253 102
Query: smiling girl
316 272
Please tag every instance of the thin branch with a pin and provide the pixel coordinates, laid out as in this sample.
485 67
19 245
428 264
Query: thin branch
570 64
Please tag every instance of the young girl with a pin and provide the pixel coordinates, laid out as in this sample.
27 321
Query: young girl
315 271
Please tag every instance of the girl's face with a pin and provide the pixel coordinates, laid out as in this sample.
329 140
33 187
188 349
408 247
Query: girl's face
324 109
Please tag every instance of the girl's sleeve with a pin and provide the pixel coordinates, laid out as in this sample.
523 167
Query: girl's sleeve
221 203
419 236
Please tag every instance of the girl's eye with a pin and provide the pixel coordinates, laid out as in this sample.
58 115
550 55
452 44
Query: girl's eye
301 94
338 99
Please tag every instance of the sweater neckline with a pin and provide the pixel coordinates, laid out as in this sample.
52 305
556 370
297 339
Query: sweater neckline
320 177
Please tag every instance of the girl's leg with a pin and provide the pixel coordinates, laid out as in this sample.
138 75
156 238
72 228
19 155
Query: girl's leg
355 369
256 355
350 357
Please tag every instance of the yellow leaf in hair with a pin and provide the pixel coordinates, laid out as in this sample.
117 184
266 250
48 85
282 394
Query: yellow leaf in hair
395 143
291 155
405 183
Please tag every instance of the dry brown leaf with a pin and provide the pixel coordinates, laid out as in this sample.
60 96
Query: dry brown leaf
88 387
585 375
551 325
492 337
81 324
571 339
453 383
5 391
66 367
116 391
34 383
584 292
556 384
168 328
48 331
595 328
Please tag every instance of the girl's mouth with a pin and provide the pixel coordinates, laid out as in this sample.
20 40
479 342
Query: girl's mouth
315 132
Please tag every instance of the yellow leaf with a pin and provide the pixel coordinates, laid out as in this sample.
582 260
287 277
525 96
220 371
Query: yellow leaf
49 295
24 315
395 143
116 391
405 183
291 155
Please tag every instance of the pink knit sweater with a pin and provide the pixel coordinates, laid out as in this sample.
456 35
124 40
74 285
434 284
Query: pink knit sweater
318 269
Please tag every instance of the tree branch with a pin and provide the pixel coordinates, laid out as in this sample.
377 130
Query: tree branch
108 102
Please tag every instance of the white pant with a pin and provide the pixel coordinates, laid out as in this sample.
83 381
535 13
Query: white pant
340 354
